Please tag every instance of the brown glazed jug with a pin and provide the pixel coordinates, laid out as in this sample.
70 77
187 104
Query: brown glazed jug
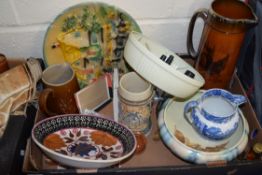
225 24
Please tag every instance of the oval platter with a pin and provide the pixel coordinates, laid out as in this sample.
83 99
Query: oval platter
185 142
84 141
91 37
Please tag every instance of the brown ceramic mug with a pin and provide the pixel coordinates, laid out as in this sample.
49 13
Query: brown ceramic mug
60 85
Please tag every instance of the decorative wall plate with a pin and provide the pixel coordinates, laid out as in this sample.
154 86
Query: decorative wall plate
187 143
91 37
84 141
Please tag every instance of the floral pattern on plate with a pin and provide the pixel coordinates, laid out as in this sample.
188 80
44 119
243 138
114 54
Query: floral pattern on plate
84 141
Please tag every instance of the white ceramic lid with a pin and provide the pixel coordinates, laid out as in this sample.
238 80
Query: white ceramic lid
174 75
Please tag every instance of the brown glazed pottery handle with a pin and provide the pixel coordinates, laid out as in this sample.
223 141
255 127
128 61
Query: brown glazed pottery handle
202 13
3 63
43 101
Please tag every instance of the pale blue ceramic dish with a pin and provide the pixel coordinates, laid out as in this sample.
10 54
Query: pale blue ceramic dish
185 142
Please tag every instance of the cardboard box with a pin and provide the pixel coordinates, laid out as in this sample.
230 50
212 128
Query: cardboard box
157 158
12 143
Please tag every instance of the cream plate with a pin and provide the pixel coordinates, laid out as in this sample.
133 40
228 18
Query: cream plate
185 142
91 37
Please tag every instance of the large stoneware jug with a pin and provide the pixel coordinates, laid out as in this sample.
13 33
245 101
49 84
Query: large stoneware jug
225 25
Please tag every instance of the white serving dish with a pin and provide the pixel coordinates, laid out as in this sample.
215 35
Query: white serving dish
184 141
84 141
143 55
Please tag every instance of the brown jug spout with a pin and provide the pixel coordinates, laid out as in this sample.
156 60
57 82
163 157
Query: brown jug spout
232 14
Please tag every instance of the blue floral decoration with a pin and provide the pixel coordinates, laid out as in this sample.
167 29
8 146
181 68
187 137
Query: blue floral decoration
83 149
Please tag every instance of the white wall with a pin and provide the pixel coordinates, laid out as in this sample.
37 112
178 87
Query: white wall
23 23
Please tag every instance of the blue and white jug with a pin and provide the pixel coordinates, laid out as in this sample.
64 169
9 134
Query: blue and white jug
215 114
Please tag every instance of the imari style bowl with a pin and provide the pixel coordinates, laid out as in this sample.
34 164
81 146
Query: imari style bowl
84 141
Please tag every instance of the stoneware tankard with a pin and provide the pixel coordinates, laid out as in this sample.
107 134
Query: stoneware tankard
215 114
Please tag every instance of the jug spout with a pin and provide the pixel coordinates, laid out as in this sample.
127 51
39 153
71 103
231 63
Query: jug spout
242 13
232 15
253 19
239 99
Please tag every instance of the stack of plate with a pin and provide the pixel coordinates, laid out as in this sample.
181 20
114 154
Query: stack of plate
187 143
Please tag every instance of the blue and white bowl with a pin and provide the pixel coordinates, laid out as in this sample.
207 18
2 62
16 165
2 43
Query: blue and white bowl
184 141
215 114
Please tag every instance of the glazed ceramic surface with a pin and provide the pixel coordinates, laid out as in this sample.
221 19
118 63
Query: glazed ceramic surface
184 141
135 102
84 141
215 114
225 25
91 37
161 67
60 85
134 88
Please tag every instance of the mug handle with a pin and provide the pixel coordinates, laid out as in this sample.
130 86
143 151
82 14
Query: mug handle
202 13
189 105
43 101
239 99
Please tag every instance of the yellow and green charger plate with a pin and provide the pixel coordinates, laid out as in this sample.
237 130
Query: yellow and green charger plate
90 37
